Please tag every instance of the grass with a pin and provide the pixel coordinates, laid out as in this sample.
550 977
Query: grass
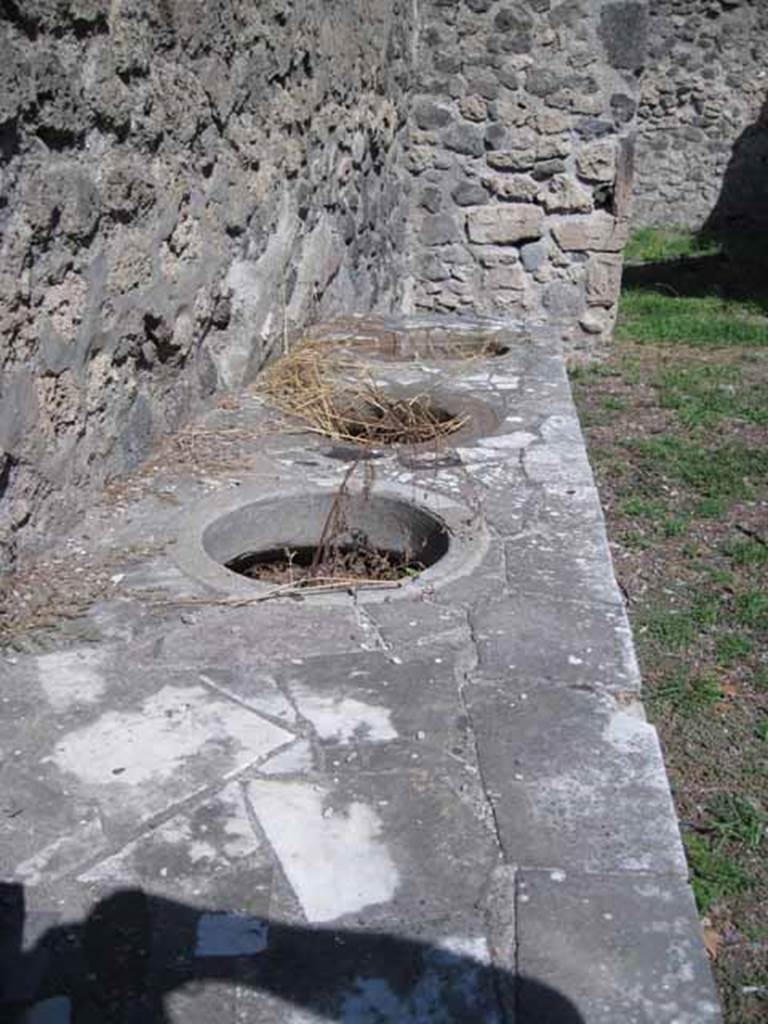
654 317
653 245
730 470
739 820
752 610
684 695
716 875
731 648
675 630
676 420
680 288
709 393
746 553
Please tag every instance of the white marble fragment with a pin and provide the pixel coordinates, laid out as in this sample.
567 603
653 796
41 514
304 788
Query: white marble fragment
336 863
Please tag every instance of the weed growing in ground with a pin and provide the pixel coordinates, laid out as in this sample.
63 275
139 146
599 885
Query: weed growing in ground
643 508
676 526
751 610
738 820
672 629
684 695
747 553
732 648
716 875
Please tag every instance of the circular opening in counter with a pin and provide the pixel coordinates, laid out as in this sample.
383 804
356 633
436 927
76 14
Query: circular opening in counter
339 398
328 538
418 421
382 419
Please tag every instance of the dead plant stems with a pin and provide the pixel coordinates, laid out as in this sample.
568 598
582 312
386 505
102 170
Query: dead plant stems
318 585
338 397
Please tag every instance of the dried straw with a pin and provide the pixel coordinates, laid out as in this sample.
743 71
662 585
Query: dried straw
308 384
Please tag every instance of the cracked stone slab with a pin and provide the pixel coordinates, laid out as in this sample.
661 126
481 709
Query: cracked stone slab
577 780
375 714
217 635
533 635
140 761
135 956
364 698
244 682
75 844
306 810
296 760
348 865
621 948
405 628
437 830
553 563
121 766
73 678
555 542
201 966
202 1002
209 856
45 827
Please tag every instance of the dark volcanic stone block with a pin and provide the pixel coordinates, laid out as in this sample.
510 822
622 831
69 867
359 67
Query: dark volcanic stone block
624 32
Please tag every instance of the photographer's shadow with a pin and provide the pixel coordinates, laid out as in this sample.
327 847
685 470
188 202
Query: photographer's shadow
119 964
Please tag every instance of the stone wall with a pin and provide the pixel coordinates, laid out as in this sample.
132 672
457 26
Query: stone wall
181 181
521 157
702 157
184 181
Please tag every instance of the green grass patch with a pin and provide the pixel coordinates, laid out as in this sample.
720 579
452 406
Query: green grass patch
751 610
711 508
672 630
636 541
706 610
725 472
662 244
732 648
738 820
721 578
675 526
642 508
717 876
737 825
747 553
652 317
655 245
590 371
702 395
684 695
